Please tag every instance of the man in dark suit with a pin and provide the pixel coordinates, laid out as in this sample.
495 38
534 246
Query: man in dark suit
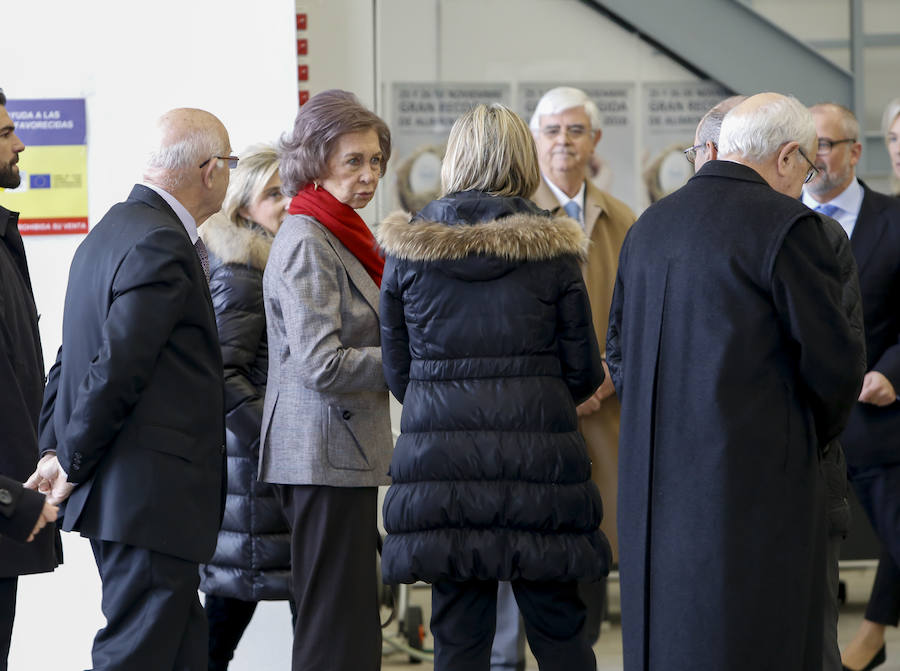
133 423
872 437
21 387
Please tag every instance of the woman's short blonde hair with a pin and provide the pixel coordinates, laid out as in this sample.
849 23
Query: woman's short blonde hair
257 165
891 112
491 149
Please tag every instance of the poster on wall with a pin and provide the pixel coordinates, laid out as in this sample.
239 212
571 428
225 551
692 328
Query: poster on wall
671 114
421 117
613 167
52 198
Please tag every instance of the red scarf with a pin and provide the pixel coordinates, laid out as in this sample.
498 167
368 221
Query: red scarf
344 223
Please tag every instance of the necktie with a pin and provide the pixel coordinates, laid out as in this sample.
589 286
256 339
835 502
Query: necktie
828 209
573 209
204 257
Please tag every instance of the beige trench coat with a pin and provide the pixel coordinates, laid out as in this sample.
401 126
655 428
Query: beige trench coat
606 220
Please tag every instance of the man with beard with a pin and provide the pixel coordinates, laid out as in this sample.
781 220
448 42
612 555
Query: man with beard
21 389
872 437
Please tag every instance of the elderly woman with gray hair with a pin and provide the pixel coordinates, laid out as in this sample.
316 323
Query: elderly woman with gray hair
252 558
488 341
326 436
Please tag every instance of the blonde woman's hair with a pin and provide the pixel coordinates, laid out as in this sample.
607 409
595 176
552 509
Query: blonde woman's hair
891 112
257 165
490 149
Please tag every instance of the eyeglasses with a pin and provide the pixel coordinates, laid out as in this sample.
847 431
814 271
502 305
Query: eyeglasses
825 145
232 161
813 170
691 152
575 132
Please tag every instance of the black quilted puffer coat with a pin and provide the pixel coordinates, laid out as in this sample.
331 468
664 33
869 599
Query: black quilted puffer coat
253 553
487 341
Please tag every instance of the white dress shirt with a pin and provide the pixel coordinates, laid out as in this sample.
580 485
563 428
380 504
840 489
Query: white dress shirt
190 225
848 201
564 199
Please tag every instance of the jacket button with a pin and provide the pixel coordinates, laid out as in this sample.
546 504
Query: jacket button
346 414
5 497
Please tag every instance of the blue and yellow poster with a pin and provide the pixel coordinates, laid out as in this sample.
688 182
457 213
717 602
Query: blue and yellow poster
52 198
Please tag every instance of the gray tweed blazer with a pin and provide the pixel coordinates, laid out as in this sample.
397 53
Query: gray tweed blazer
325 419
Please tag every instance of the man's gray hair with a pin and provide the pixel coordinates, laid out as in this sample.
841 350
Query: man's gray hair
203 143
710 125
758 134
849 123
559 100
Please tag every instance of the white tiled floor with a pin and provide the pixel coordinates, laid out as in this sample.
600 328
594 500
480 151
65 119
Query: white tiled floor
60 612
609 648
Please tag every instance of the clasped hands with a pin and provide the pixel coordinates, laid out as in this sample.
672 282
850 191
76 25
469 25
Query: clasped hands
51 480
603 392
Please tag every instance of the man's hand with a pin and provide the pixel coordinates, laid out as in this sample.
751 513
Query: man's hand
603 392
50 479
877 390
48 514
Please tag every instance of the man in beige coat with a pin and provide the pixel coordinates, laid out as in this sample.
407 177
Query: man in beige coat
566 127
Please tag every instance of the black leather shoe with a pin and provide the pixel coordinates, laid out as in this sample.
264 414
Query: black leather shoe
877 660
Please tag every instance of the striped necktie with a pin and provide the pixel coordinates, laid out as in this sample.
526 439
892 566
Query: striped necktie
204 257
828 209
573 209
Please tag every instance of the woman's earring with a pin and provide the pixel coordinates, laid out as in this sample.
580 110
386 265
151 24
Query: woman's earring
315 186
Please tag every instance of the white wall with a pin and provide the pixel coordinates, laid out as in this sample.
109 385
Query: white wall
131 62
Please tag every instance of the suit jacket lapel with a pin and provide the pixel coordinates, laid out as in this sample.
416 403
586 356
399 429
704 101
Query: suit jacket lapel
867 231
593 208
544 197
355 270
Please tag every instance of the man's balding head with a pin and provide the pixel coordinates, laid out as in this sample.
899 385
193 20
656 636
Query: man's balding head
774 134
706 139
185 139
838 153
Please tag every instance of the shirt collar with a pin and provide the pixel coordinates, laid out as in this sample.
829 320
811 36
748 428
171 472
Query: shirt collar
190 225
563 198
849 200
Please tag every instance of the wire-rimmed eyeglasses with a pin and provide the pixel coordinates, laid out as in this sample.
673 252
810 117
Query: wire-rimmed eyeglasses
825 145
231 160
813 170
691 152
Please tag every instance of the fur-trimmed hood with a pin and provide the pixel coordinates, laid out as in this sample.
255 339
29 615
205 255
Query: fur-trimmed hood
231 243
515 230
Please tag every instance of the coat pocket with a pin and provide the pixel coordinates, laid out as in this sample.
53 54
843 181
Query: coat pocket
344 447
168 441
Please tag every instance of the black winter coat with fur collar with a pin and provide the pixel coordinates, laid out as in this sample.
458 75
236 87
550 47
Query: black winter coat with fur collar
252 561
487 340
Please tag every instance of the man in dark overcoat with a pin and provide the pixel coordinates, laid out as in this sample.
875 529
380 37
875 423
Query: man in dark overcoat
734 361
21 388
